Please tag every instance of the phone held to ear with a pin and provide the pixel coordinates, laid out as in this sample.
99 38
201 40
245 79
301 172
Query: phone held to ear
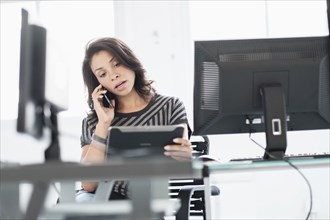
108 96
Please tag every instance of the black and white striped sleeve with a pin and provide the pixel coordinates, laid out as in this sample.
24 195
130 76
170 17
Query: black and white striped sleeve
86 132
179 115
178 112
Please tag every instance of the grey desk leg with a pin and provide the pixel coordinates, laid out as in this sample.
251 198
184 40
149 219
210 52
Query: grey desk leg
207 197
9 201
144 191
141 197
159 188
67 193
36 203
103 191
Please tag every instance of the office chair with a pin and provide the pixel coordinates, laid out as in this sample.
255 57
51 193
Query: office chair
191 191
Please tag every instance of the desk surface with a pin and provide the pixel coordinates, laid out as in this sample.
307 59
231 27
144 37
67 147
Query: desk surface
270 189
56 171
139 172
278 164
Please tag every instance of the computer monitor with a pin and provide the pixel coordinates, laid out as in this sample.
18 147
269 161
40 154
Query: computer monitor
31 78
262 85
35 112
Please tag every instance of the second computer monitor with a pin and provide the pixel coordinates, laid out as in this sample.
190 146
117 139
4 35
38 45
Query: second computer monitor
240 84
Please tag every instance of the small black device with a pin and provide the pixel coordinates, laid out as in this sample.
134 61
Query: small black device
141 141
108 96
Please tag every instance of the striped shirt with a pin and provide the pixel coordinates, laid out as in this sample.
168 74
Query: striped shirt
161 110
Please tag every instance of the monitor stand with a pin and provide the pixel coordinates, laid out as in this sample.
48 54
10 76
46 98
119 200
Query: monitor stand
275 121
52 153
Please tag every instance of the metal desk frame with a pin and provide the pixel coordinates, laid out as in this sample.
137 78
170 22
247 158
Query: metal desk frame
142 174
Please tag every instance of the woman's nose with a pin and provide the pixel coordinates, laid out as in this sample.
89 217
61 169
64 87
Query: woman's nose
114 76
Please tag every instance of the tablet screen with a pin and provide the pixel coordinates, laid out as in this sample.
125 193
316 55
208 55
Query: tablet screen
140 141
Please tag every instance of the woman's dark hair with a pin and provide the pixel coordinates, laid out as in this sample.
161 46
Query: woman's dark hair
125 56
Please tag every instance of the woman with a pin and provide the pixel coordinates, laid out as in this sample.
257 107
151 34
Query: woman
111 66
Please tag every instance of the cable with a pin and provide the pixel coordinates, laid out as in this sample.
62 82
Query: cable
296 168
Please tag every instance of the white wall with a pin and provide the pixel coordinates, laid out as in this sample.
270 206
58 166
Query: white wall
159 33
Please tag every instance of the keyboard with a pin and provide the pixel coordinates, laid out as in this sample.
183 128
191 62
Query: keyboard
288 157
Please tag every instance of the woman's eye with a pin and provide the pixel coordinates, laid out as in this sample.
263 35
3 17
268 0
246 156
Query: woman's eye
117 64
102 74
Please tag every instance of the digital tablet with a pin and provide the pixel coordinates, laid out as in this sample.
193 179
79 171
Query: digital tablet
140 141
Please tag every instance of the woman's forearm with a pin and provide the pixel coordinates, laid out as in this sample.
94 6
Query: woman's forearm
94 153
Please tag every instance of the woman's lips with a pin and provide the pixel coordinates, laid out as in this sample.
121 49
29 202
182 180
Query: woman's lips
121 85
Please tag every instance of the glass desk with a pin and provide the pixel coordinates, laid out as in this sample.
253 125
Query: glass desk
145 176
269 189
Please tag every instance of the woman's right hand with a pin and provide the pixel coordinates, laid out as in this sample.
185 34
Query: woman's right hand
105 115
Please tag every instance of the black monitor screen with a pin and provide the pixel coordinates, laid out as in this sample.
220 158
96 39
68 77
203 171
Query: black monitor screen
241 83
31 78
35 112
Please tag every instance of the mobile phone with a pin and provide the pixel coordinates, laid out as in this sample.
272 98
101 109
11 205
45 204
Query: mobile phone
108 96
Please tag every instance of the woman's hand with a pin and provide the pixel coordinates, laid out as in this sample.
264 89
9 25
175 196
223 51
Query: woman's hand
104 114
181 149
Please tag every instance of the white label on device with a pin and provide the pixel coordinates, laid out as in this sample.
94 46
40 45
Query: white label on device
276 126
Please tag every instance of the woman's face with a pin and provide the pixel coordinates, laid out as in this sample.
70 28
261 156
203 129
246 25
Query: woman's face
111 74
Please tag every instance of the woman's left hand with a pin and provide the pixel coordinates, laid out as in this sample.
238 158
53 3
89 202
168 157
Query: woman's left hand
181 149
